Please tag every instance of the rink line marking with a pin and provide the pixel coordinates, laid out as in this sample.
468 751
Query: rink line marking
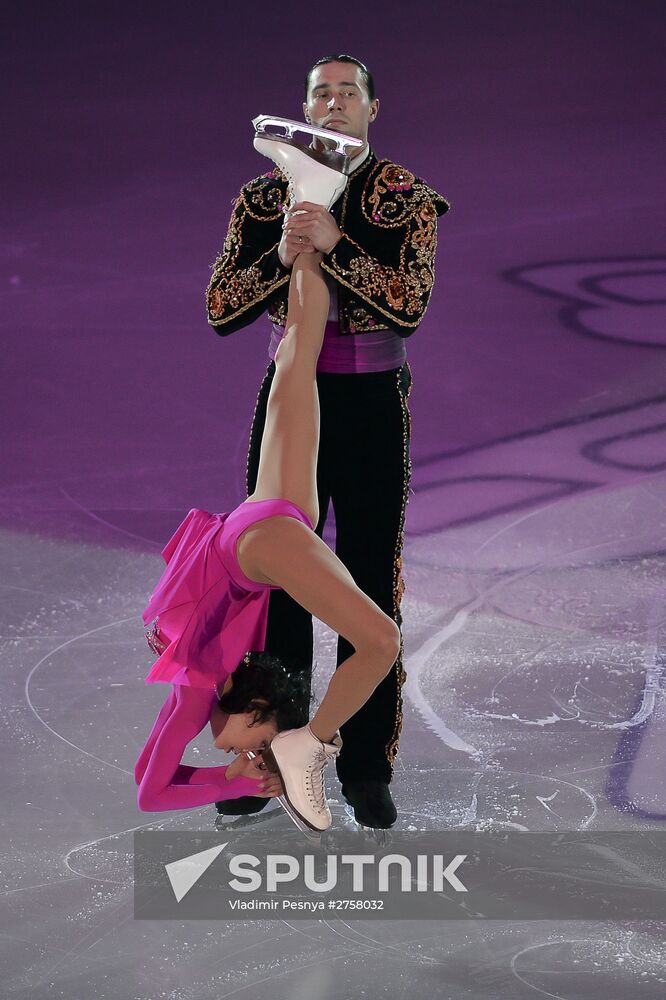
108 524
415 664
51 652
417 661
545 944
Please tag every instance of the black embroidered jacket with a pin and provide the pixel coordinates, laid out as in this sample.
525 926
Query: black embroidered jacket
384 263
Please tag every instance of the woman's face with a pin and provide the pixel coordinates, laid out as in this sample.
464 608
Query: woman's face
235 733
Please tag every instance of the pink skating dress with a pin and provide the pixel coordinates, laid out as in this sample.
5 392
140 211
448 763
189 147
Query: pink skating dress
209 615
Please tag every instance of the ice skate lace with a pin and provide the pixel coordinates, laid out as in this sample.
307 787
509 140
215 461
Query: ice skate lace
315 780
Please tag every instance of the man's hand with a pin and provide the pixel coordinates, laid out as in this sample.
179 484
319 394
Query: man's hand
271 785
314 224
290 248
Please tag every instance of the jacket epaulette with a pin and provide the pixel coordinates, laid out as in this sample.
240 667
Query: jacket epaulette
383 264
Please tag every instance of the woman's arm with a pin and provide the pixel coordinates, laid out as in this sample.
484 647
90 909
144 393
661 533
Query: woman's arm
164 713
165 783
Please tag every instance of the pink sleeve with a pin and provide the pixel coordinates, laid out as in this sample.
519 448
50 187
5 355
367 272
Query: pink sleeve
165 783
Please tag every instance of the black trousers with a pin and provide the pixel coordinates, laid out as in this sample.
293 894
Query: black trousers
364 469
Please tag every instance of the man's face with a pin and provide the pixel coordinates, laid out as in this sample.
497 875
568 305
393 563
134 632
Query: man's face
337 99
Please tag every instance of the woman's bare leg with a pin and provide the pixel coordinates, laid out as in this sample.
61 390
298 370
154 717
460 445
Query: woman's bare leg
284 551
290 441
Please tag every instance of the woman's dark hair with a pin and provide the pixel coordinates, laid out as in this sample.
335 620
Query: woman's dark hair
262 685
366 75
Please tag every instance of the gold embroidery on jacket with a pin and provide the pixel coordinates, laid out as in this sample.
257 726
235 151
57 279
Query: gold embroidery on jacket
399 294
391 748
404 287
385 210
264 198
239 290
278 312
359 320
233 290
353 316
393 198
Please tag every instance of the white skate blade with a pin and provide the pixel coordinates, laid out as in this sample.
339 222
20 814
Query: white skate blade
311 832
261 122
291 813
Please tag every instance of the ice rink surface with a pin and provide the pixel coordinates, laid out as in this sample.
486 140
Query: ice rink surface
535 544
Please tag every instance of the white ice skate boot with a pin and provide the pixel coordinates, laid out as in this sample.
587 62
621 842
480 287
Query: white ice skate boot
299 757
313 835
317 175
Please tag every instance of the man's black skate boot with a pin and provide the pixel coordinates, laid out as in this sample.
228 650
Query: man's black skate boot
371 802
244 805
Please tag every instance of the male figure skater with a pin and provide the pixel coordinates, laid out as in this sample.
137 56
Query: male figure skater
378 244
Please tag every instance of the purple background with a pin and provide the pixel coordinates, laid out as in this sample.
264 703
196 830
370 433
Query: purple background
127 137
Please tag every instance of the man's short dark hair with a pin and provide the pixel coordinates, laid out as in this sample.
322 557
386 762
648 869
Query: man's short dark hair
366 75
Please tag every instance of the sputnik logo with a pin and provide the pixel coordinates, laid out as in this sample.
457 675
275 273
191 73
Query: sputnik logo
186 872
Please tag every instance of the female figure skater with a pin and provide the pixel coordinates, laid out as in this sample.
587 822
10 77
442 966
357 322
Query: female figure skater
212 600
